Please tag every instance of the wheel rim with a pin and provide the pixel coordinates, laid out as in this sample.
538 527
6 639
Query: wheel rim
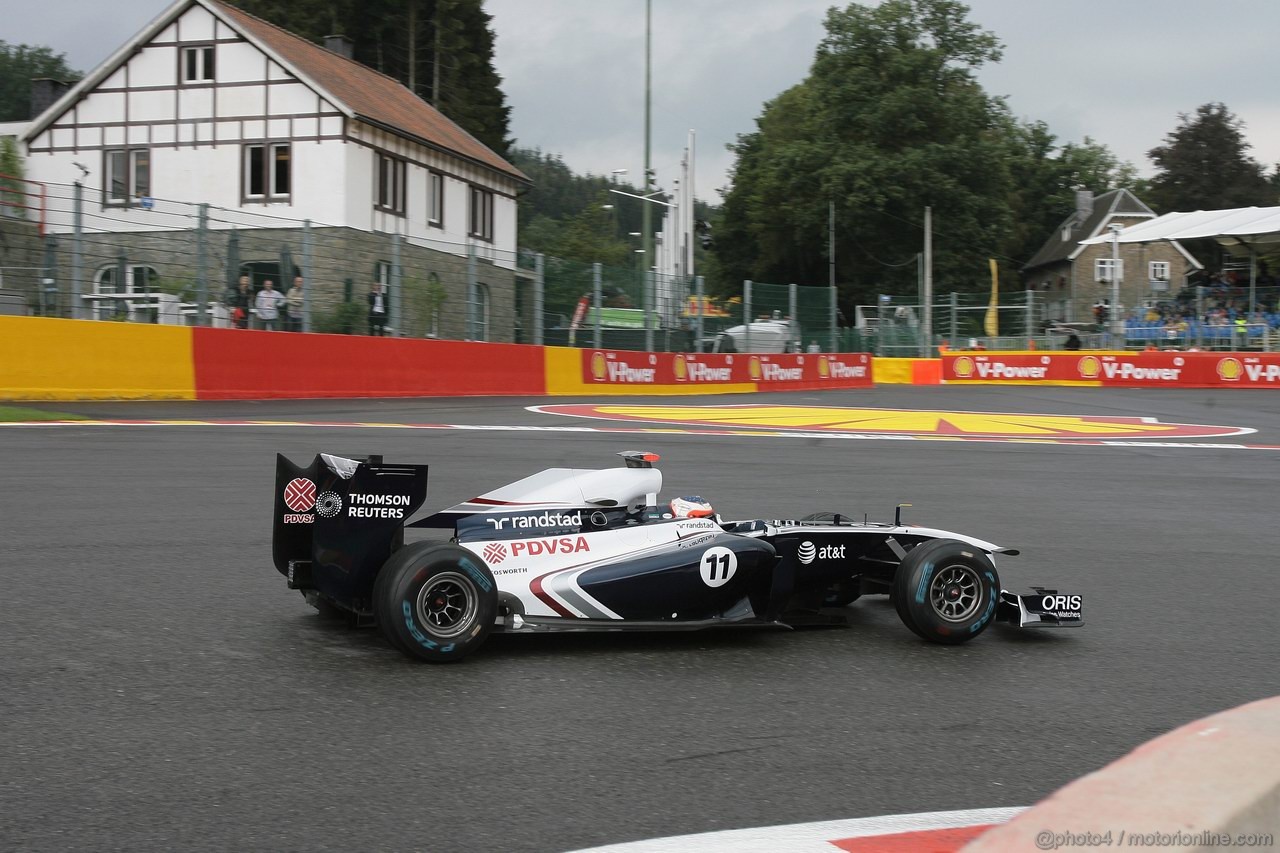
955 593
447 604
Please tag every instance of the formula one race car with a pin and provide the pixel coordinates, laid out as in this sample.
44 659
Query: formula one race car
592 550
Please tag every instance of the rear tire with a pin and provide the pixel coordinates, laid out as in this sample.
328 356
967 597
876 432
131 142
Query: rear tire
435 602
946 591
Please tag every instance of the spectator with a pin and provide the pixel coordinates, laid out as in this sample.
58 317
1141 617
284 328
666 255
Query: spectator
268 302
293 306
239 299
1073 342
377 310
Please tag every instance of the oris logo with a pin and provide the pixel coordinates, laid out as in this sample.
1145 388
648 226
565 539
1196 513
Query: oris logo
1060 602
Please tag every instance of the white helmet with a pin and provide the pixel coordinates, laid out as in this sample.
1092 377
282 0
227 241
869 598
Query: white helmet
691 507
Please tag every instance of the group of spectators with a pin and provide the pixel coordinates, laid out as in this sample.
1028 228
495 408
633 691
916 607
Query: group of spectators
275 310
1223 302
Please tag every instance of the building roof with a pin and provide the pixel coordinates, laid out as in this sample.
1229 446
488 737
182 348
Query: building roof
1110 204
1250 227
357 90
371 95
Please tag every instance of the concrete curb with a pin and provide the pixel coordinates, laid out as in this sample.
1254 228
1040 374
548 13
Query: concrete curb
1212 783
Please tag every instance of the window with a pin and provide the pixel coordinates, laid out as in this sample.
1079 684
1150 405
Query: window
1105 269
481 214
117 280
435 199
390 185
267 171
126 175
197 64
1159 271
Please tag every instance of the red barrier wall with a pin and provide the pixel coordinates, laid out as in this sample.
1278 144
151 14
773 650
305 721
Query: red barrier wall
642 370
1121 370
238 364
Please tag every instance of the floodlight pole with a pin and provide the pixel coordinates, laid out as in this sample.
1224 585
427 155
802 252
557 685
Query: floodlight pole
1117 322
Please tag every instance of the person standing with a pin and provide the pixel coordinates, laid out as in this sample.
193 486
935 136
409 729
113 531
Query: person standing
239 299
377 310
293 306
268 303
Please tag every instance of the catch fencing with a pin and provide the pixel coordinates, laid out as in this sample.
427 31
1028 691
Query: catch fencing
176 263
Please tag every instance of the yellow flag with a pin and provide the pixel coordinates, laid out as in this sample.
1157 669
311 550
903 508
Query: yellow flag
992 323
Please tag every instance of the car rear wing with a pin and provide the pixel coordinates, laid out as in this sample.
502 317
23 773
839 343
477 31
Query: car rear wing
337 520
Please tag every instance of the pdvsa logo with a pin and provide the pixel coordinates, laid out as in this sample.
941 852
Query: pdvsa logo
754 369
963 366
599 369
300 494
1089 367
1230 369
681 368
495 553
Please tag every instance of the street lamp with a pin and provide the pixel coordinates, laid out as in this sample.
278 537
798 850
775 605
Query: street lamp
1117 322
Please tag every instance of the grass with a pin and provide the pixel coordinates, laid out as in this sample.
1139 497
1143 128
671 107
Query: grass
10 414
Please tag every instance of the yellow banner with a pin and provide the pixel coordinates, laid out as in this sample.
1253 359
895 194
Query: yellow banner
991 326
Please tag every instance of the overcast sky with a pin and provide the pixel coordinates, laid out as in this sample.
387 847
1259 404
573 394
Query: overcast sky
1119 71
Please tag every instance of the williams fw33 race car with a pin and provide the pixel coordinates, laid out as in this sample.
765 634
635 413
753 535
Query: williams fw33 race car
593 550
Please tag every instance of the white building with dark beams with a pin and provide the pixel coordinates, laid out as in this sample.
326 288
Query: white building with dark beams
209 104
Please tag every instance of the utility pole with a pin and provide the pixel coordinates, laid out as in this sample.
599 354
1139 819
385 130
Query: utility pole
647 224
926 322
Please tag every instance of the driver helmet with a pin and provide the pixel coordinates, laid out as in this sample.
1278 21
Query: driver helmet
691 506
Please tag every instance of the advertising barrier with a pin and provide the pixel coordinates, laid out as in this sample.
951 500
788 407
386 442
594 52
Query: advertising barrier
1115 369
626 372
44 358
233 364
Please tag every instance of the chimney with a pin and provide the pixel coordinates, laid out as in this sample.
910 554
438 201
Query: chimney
1084 205
44 91
340 45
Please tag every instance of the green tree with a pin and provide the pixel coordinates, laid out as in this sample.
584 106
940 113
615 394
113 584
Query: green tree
1045 177
442 50
889 121
1204 164
19 65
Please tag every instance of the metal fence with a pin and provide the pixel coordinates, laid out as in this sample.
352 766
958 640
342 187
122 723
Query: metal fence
168 262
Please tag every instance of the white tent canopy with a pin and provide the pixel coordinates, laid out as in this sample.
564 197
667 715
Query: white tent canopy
1238 226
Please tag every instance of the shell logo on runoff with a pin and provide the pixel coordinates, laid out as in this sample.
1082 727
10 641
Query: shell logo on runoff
754 369
963 367
681 368
598 368
1089 367
1229 369
807 552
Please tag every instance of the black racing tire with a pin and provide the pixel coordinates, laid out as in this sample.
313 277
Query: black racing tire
435 602
946 591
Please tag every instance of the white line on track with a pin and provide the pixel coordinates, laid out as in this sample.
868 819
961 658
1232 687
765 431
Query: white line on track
810 837
745 433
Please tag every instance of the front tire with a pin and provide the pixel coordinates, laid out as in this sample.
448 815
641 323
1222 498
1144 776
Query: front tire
435 602
946 591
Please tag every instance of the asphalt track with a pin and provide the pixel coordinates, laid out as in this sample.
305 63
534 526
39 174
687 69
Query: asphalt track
160 688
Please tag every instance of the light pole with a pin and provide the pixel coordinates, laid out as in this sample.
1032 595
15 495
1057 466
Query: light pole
1117 322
